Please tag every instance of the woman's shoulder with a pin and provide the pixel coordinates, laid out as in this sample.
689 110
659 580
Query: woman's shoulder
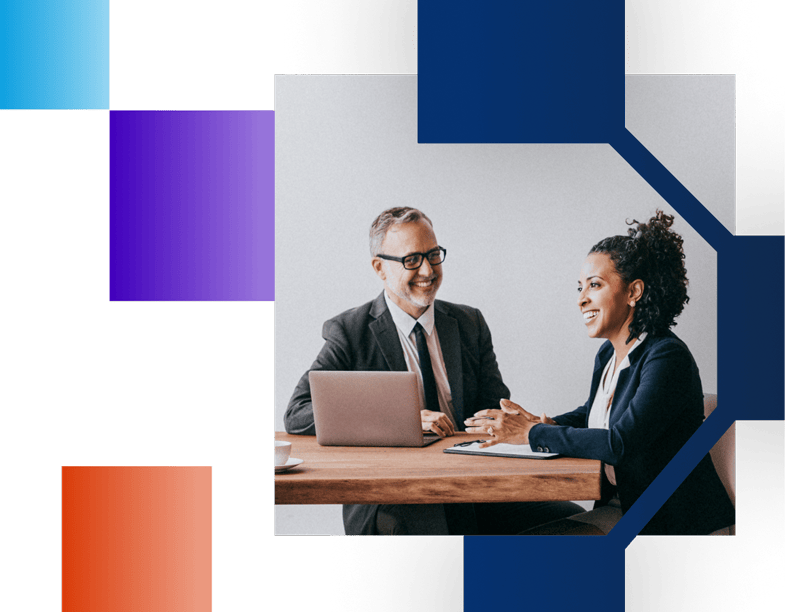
666 346
665 341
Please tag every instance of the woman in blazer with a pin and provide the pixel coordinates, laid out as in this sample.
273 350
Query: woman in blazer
646 398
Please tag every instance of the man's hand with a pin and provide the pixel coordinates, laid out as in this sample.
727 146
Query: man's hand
437 422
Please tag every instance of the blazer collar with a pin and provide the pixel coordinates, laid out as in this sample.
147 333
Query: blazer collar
621 383
603 356
378 306
386 335
606 352
639 350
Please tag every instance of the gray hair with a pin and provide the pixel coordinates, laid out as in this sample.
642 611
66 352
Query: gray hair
392 216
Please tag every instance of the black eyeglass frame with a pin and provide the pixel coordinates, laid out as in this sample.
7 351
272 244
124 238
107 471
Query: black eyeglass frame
423 257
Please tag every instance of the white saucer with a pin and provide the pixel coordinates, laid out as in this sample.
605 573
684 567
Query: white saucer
290 463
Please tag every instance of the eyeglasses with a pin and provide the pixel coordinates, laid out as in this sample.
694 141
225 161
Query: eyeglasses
414 260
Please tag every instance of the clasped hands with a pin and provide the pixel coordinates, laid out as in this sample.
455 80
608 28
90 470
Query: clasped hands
510 425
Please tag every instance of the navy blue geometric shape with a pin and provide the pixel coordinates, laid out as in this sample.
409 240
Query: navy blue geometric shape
542 573
513 71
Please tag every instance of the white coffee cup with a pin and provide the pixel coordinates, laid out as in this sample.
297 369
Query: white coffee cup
282 452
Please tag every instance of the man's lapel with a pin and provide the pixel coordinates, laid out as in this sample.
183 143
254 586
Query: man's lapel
450 341
386 335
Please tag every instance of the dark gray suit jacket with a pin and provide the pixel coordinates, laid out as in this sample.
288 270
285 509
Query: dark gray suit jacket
365 338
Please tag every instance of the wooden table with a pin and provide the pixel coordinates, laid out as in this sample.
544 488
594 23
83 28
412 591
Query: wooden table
362 475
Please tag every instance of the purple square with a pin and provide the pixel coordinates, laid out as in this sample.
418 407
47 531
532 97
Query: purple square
192 198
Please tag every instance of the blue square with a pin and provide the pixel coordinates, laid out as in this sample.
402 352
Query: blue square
543 573
54 55
506 71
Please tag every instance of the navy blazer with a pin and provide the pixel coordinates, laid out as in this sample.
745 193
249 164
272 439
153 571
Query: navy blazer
657 406
365 338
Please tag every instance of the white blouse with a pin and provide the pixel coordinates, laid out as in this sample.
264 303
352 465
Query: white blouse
599 416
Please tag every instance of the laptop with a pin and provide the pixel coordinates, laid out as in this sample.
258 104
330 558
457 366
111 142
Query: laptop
367 409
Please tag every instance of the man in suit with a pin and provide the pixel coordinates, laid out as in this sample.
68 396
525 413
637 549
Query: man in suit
449 347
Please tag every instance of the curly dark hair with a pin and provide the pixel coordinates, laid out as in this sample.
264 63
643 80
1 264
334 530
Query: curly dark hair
653 253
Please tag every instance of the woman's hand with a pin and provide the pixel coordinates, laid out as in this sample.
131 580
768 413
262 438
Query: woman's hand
510 425
513 408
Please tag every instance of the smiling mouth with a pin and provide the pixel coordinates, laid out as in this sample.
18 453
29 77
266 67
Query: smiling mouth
423 284
590 315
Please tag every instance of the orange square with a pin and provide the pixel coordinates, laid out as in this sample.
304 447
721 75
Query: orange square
137 538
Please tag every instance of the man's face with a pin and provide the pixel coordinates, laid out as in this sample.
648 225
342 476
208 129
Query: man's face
412 290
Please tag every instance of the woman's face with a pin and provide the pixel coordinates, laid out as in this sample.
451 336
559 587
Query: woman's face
604 299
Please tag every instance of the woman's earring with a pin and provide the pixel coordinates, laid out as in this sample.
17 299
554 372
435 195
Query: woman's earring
632 304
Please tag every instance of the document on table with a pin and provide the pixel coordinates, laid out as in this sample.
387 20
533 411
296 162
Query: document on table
520 451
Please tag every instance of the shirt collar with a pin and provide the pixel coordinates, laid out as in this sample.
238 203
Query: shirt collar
635 344
405 322
640 340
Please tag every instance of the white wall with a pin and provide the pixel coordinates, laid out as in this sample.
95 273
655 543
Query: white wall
688 123
517 222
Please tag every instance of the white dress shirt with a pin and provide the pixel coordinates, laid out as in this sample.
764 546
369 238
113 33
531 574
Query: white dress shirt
405 323
599 416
